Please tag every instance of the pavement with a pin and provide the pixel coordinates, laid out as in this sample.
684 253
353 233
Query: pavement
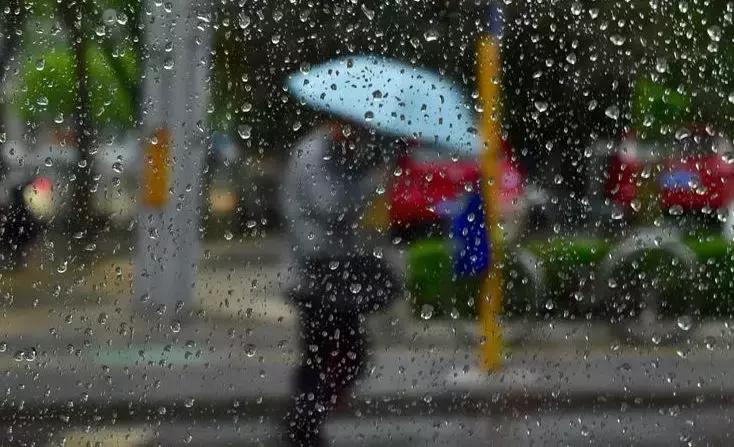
79 364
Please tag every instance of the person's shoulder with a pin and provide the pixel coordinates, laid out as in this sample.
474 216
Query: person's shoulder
310 148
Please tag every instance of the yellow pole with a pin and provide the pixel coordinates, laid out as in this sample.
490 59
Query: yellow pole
490 302
155 178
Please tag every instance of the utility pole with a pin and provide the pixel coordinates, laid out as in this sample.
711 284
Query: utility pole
489 77
174 142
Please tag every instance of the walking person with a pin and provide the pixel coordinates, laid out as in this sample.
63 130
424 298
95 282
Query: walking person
340 275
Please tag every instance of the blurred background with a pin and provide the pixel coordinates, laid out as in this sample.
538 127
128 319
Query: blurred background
616 204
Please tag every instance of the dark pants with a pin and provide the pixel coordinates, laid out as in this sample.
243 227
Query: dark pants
334 352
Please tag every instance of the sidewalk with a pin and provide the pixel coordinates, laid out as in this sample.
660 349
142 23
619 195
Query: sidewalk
236 348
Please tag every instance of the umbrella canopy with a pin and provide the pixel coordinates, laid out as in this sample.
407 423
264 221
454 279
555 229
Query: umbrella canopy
393 98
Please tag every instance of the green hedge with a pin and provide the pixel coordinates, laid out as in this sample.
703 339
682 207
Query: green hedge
570 267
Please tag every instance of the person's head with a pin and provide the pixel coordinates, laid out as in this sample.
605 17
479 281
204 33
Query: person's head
357 145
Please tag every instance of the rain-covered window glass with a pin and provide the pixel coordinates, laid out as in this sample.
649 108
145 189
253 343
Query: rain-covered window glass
362 222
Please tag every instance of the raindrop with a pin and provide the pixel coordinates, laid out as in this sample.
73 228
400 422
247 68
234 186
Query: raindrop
250 350
40 64
369 116
245 131
377 252
355 287
228 235
244 20
617 39
576 8
675 210
369 13
117 167
684 322
682 134
430 35
714 33
541 106
612 112
426 311
710 343
48 162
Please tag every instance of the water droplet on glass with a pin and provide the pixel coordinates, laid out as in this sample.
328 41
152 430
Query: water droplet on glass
684 322
709 342
426 311
541 106
682 134
576 8
245 131
617 39
714 33
675 210
430 35
355 287
612 112
250 350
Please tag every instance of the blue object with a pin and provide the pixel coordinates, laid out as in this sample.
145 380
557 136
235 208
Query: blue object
495 19
393 98
678 179
471 249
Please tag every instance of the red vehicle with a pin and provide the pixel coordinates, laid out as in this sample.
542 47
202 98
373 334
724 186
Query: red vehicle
701 176
696 171
426 183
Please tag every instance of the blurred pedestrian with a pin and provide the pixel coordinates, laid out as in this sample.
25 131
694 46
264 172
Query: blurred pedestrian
341 276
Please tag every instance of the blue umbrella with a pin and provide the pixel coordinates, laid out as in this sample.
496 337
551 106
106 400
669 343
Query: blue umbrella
393 98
